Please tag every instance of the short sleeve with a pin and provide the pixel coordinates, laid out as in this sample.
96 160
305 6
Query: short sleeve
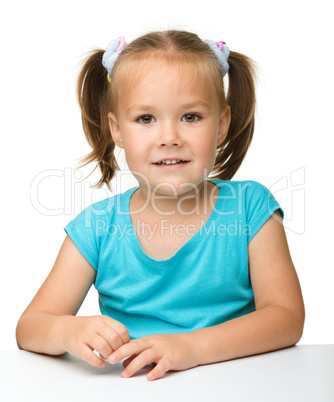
81 231
260 205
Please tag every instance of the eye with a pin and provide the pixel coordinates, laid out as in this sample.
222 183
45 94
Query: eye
146 119
190 117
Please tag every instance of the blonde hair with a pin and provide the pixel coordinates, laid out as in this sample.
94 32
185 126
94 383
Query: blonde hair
97 97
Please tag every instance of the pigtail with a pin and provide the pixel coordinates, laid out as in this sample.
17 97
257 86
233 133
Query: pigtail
241 99
94 100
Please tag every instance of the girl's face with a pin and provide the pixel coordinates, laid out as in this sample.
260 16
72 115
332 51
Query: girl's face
169 125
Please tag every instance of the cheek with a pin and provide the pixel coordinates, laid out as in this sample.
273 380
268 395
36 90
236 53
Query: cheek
133 144
131 155
207 147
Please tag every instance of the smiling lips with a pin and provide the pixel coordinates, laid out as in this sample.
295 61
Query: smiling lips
170 162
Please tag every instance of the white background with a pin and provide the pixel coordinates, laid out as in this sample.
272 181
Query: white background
42 44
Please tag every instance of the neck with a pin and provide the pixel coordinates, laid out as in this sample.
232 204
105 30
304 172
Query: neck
191 202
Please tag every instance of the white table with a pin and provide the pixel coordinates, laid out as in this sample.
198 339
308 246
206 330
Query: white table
298 374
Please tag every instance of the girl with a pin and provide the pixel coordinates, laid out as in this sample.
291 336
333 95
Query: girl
189 270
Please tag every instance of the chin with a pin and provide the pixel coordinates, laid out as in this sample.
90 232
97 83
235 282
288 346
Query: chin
176 189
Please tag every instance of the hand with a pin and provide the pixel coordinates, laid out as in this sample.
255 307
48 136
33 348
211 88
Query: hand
169 351
83 335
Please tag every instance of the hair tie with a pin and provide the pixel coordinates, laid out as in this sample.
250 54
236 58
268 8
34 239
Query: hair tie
115 47
111 54
222 52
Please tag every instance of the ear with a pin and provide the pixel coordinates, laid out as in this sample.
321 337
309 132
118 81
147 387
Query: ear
115 130
224 124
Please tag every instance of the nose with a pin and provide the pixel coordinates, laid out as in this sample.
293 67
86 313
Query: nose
169 135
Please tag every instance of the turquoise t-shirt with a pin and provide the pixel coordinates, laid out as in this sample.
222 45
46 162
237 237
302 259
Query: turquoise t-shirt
205 283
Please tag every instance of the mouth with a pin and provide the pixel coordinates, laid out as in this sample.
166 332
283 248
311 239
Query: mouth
171 162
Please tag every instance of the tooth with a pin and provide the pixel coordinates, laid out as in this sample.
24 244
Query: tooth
170 162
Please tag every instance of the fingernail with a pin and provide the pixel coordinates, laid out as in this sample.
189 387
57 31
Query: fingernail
124 373
112 358
150 376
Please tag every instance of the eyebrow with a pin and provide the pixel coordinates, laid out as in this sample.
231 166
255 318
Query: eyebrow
138 108
145 108
195 104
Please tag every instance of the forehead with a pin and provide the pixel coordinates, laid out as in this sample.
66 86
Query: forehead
164 77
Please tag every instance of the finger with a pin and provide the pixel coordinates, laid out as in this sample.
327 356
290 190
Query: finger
112 338
128 360
160 369
124 333
134 347
119 328
87 354
144 358
101 345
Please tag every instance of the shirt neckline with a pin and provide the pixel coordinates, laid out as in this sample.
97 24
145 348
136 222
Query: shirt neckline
193 241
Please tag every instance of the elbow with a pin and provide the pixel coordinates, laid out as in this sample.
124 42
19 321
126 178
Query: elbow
300 329
18 335
290 324
300 321
296 336
296 325
22 332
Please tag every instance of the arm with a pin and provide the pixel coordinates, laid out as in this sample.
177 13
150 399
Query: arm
277 322
49 325
279 317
